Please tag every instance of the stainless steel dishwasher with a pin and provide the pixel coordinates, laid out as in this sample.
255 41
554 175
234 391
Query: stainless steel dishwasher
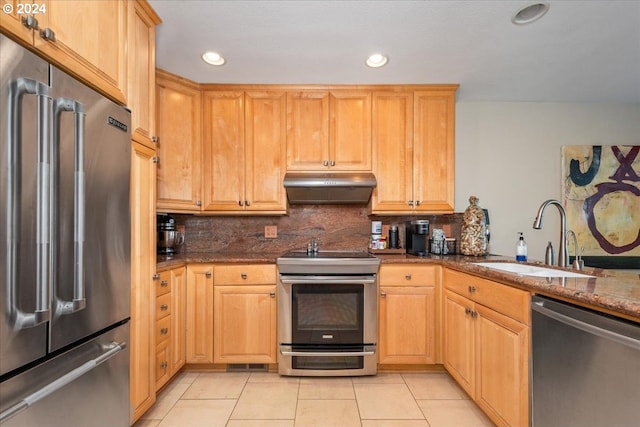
585 370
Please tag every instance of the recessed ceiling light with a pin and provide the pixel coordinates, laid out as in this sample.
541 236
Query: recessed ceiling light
377 60
212 58
530 13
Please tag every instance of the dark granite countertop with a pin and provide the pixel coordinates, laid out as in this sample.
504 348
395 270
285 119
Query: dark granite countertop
610 291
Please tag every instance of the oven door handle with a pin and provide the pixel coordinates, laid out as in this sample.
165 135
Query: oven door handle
328 280
327 353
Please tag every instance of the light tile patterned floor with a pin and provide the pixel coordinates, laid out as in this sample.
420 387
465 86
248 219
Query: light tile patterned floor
257 399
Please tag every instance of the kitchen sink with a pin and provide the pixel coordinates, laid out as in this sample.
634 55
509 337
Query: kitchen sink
529 270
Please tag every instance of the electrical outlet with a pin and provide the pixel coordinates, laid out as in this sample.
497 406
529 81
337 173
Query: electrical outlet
270 231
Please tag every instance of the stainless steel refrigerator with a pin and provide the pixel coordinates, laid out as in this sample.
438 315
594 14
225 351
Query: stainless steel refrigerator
65 248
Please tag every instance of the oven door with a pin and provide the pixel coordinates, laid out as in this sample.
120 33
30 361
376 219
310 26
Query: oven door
327 325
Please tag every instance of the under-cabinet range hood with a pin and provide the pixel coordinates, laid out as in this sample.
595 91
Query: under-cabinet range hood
329 188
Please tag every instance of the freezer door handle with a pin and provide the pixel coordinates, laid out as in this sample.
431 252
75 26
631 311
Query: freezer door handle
110 351
17 89
61 105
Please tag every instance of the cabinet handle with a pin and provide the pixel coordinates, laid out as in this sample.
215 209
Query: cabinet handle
164 331
247 203
154 139
474 314
198 203
383 294
155 276
333 162
417 202
164 283
410 202
164 365
240 202
30 22
48 34
207 274
155 159
325 163
244 276
272 294
407 276
467 310
472 289
164 307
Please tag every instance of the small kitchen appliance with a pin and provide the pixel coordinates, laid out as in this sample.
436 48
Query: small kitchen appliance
417 237
169 238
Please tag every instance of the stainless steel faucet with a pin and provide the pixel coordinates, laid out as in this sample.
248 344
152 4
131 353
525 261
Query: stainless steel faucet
563 252
578 263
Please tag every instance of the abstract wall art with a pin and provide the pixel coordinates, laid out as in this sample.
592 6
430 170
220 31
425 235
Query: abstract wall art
601 194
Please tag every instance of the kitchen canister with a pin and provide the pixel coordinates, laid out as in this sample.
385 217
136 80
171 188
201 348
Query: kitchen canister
473 239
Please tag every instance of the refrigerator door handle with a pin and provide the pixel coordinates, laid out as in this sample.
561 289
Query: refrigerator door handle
17 89
61 105
110 350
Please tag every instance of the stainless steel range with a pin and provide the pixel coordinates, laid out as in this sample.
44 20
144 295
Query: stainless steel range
327 313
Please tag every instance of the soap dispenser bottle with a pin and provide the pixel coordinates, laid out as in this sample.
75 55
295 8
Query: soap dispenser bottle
521 248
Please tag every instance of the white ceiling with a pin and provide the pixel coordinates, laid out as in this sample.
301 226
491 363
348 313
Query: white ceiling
580 51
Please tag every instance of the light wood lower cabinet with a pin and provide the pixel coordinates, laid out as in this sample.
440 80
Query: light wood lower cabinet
170 324
407 316
487 351
245 314
199 313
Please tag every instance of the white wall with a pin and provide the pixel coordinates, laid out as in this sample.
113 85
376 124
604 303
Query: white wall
508 154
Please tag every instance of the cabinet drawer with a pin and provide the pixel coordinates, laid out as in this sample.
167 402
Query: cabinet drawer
163 284
163 329
502 298
408 275
163 306
245 274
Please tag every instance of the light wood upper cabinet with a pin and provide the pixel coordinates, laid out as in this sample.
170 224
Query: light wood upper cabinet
329 130
413 146
85 38
433 150
143 266
392 135
16 22
243 164
178 116
141 70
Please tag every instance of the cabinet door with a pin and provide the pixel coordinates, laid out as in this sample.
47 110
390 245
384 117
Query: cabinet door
178 305
141 70
12 22
143 262
89 41
179 143
307 131
265 122
350 131
433 150
502 381
245 324
224 162
163 364
407 325
199 318
392 151
459 341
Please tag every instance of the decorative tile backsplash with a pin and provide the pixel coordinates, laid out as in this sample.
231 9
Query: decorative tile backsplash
334 226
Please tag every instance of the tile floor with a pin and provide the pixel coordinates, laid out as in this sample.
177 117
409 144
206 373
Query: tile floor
252 399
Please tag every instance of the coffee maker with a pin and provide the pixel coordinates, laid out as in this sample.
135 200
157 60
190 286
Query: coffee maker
169 238
417 237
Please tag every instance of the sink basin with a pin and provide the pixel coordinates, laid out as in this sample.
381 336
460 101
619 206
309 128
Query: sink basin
529 270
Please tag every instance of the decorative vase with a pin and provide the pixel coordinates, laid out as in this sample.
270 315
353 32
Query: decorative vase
473 240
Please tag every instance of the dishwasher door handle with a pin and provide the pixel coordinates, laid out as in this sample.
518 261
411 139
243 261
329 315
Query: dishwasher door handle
584 326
